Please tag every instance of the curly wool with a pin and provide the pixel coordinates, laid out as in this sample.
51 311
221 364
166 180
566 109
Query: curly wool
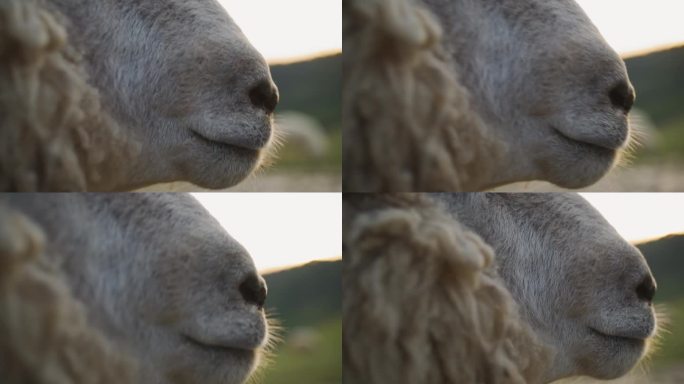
408 122
54 135
44 334
423 303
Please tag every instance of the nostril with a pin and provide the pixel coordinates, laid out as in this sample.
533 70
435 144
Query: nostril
264 95
622 96
253 290
646 289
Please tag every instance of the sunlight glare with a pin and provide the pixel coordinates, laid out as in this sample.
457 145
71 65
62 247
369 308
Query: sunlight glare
641 216
633 27
284 31
280 230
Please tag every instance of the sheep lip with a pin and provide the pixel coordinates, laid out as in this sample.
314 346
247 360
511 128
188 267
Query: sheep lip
593 145
624 338
222 347
233 146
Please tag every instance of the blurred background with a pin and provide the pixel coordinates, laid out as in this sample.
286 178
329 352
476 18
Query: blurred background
295 240
654 223
649 35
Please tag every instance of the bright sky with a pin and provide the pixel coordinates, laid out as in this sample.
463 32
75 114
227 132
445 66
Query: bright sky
280 229
285 31
637 26
641 216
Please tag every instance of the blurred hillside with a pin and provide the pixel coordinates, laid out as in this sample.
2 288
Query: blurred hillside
312 88
307 301
666 259
316 289
659 82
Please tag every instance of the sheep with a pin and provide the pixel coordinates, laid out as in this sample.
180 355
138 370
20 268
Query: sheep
117 95
465 96
184 304
487 288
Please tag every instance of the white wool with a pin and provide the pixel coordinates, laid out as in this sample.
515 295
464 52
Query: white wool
54 135
408 123
423 303
45 337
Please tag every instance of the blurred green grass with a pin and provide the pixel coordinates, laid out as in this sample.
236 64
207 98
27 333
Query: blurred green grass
671 141
306 299
665 257
670 349
668 144
291 158
322 364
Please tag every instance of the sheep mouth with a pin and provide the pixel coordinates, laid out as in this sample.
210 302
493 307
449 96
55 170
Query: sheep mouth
601 149
637 341
222 349
240 150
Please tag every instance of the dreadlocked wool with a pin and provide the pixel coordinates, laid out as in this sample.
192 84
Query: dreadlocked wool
53 133
408 123
423 303
45 337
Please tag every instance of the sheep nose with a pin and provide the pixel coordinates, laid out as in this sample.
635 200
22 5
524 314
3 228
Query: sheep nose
622 95
253 290
264 95
646 289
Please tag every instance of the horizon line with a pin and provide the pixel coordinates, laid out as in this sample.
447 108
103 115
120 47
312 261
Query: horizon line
653 49
283 60
270 270
655 238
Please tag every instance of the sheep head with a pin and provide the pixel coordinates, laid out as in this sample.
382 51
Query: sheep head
545 82
161 278
584 290
182 81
